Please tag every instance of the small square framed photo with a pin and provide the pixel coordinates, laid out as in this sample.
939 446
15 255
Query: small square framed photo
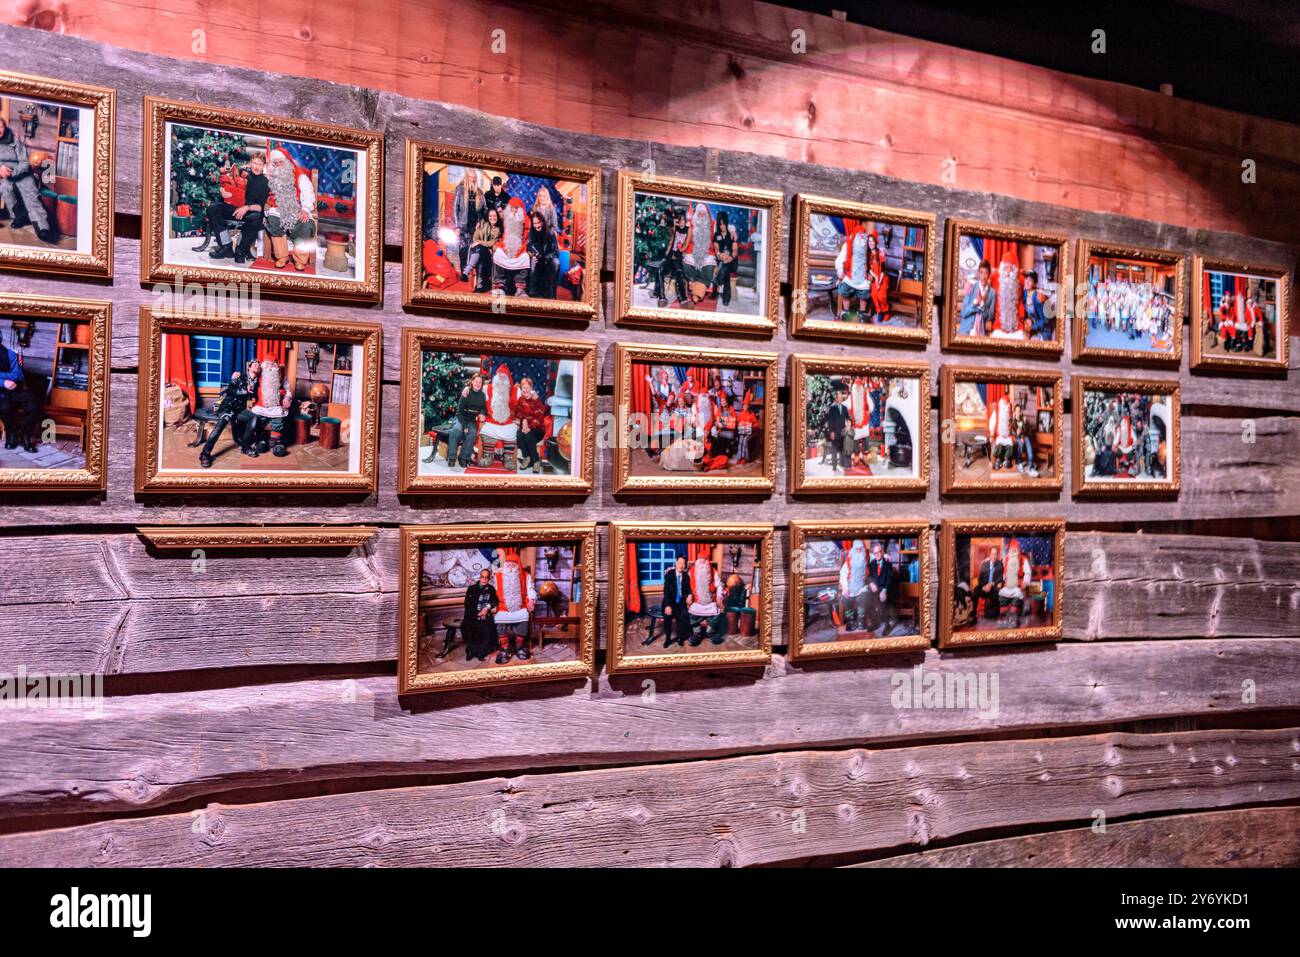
862 272
858 588
1006 430
56 200
1005 289
496 413
1239 316
502 233
484 605
273 405
237 198
1130 304
1126 437
687 595
694 420
1000 582
858 425
54 393
697 255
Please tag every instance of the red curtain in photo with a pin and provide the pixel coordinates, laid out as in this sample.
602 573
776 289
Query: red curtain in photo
178 365
640 389
632 579
696 550
700 375
995 249
276 349
996 390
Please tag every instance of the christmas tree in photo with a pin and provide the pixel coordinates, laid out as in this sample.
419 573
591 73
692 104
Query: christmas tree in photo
198 157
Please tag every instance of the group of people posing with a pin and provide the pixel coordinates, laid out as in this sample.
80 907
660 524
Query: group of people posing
255 405
1008 306
868 589
700 428
497 610
1122 438
853 424
860 269
1010 435
698 605
497 412
1238 324
1137 310
1000 584
699 259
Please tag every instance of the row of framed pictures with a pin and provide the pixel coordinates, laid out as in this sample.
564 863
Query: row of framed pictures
290 404
296 207
495 604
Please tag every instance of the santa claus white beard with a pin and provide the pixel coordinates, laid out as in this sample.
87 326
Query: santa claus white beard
859 400
500 399
512 594
857 569
701 235
1004 419
513 230
268 388
1008 299
283 188
701 581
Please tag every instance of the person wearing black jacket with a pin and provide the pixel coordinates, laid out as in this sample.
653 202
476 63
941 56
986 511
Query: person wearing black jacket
18 410
257 192
464 428
479 624
544 259
233 410
837 423
882 584
678 596
992 578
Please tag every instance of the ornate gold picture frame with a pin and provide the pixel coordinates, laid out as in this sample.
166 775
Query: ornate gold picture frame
530 567
567 287
1121 324
1038 394
694 420
725 564
707 273
997 608
254 537
883 431
333 251
62 395
823 573
1023 256
565 385
899 301
191 387
1247 349
1141 437
69 165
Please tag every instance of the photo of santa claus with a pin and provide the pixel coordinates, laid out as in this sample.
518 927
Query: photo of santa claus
1003 431
505 232
857 589
1005 289
496 605
865 272
685 596
1126 436
46 159
1129 305
689 254
696 419
1238 315
1003 582
863 425
500 414
261 204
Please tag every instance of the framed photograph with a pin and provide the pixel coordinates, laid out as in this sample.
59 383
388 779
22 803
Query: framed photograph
1005 289
1130 304
243 199
858 588
54 362
1126 436
1240 316
496 604
861 272
694 420
858 425
697 255
1003 581
1006 430
56 176
483 227
169 538
484 413
277 406
688 595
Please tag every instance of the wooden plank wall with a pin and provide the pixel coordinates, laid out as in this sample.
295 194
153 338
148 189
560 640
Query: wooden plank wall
251 715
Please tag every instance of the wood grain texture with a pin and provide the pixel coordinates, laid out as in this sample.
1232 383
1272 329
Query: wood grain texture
758 809
205 742
1248 837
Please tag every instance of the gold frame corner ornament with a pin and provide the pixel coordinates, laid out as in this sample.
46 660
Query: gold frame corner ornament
1156 490
1240 363
414 538
102 101
1084 250
617 661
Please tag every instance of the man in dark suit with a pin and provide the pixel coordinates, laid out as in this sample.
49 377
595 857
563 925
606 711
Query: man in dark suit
882 584
479 624
837 421
678 596
992 577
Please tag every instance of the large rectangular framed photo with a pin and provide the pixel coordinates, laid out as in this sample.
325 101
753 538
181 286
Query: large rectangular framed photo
56 175
858 425
689 595
484 605
494 231
861 272
1239 315
235 197
694 420
697 255
858 588
270 405
495 413
1000 581
54 393
1130 304
1005 289
1126 436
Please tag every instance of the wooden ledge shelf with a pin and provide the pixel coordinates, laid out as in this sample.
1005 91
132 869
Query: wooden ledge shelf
168 537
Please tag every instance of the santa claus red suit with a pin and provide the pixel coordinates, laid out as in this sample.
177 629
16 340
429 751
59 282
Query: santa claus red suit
860 415
1002 443
1019 572
518 596
502 393
707 617
510 258
291 211
1009 309
699 256
272 408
